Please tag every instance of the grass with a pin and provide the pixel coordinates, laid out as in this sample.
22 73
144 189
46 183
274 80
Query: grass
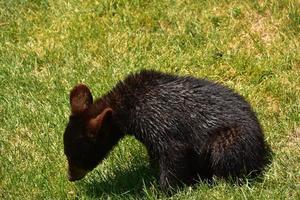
46 47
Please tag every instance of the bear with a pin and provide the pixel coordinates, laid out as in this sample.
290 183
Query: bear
192 128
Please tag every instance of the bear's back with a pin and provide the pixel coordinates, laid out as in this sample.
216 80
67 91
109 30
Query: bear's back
157 107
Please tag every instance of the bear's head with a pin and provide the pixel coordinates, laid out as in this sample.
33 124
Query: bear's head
87 137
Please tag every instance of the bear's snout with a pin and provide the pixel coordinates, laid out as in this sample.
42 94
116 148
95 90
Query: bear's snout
76 173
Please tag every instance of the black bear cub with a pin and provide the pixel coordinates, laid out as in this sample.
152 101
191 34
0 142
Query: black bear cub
192 128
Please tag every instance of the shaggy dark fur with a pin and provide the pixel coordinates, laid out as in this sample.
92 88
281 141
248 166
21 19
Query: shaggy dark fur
191 128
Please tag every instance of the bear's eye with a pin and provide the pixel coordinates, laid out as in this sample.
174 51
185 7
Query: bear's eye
81 149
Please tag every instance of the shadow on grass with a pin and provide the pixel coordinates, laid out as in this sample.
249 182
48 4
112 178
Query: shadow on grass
125 183
136 182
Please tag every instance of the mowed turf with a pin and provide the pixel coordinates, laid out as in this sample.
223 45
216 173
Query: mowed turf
47 47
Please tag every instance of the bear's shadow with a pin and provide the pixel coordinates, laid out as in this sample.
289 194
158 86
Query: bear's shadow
134 181
127 183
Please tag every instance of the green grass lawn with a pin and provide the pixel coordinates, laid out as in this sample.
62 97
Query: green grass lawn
48 46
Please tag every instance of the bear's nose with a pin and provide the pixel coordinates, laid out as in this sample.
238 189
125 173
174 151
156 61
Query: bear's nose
75 173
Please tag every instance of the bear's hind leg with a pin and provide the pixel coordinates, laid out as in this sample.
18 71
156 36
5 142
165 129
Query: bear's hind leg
237 153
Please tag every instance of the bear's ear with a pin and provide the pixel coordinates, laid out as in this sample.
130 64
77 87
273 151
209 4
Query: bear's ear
80 99
102 119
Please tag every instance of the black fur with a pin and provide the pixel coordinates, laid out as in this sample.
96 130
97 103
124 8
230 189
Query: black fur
191 128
